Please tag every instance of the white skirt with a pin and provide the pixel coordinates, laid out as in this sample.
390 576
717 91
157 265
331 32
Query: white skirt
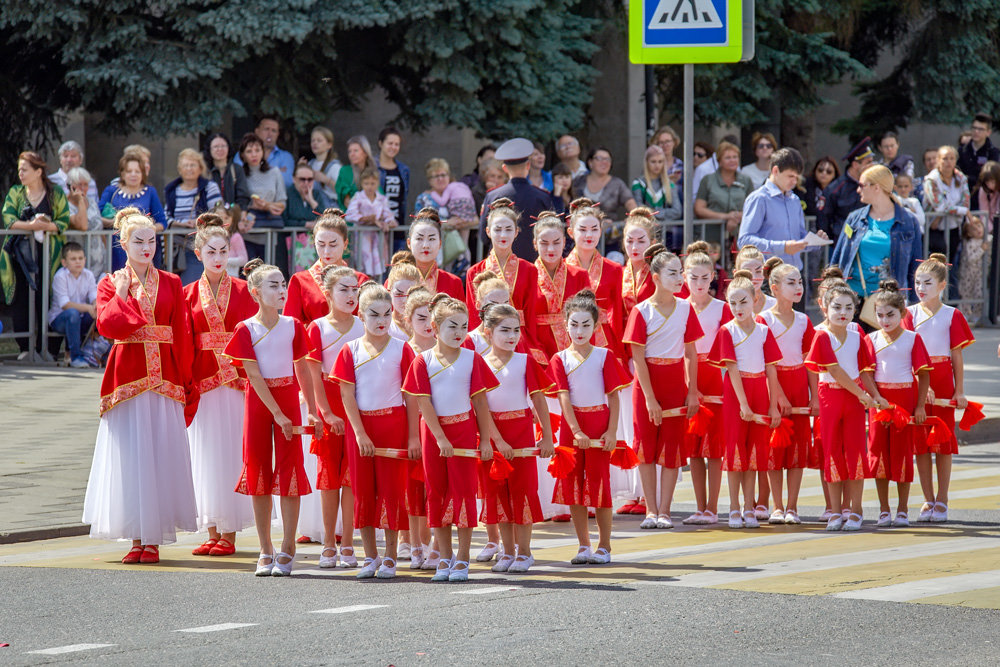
216 439
140 482
625 483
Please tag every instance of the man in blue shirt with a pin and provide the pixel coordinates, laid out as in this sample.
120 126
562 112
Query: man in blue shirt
268 129
772 214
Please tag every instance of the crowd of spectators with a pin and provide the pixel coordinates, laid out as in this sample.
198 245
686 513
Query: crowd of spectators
770 200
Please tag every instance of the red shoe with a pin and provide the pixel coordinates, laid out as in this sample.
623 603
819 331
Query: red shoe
640 508
205 548
132 557
150 554
223 548
305 540
561 518
627 507
591 514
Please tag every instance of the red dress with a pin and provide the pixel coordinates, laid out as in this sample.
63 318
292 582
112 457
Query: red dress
588 383
451 482
306 298
842 417
606 281
522 280
637 286
663 337
712 445
553 293
890 449
275 350
942 332
213 320
152 335
747 442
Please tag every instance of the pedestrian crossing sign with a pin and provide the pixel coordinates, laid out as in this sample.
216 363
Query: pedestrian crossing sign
689 31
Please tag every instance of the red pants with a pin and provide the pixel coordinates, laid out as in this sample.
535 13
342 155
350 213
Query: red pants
663 444
261 436
747 443
890 453
379 482
416 490
451 482
590 482
515 499
842 426
794 381
943 384
711 445
331 455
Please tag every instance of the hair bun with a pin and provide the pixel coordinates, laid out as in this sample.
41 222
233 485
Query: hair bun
210 219
124 214
437 299
832 271
770 265
251 266
889 285
581 202
333 210
643 212
743 273
502 202
587 293
482 277
937 257
427 213
652 251
402 257
695 246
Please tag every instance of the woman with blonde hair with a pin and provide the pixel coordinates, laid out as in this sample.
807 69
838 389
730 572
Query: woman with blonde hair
185 198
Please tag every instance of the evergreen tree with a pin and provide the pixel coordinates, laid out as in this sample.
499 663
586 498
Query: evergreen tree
521 66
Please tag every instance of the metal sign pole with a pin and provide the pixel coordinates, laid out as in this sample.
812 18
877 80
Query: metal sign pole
688 154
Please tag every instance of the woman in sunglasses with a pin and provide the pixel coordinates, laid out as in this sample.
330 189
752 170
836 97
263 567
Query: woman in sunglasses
822 175
764 145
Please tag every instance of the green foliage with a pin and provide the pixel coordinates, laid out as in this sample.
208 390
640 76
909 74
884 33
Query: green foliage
949 67
161 67
796 54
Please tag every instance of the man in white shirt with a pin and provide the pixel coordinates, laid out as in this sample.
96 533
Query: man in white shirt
74 295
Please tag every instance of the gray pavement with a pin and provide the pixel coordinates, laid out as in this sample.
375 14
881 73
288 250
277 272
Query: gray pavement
49 424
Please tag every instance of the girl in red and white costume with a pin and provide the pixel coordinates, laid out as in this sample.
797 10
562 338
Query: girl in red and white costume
748 352
450 382
272 348
797 387
383 434
140 481
403 276
662 331
900 356
424 241
558 281
946 334
217 303
424 554
513 502
519 274
751 259
588 380
637 286
307 301
705 452
586 221
843 358
327 336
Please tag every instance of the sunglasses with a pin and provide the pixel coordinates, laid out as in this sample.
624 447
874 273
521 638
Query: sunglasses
305 180
825 170
765 144
699 154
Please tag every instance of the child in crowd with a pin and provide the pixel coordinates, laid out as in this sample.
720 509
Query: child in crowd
371 207
976 244
904 190
73 310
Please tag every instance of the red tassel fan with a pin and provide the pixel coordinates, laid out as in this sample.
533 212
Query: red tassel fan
698 424
554 421
782 436
900 417
562 462
501 468
939 433
973 415
624 457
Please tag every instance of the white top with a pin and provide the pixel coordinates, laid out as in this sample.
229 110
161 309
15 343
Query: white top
333 340
757 176
935 329
479 340
710 319
586 376
512 394
789 340
847 355
769 302
451 386
398 333
665 335
894 359
378 380
749 347
274 350
66 289
333 171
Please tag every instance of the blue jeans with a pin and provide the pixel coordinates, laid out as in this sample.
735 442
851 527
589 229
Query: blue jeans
72 324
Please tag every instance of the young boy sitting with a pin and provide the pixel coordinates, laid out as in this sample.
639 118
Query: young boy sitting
74 293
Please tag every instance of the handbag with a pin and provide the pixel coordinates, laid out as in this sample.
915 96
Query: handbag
868 307
452 246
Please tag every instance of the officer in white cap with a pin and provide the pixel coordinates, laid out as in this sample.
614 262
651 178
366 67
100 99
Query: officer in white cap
527 198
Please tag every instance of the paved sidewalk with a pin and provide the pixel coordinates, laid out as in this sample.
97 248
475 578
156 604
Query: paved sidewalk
49 424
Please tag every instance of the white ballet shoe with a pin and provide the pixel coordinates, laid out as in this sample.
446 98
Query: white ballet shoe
459 571
416 557
735 519
488 552
521 563
648 523
582 556
367 570
835 522
503 563
926 511
347 559
902 520
443 571
432 561
600 557
325 561
663 522
884 520
404 551
387 570
694 520
265 569
777 516
282 569
853 522
940 513
792 518
750 519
